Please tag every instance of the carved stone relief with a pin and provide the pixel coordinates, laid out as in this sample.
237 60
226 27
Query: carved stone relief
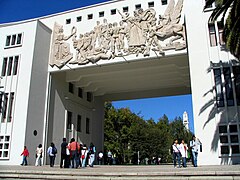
138 34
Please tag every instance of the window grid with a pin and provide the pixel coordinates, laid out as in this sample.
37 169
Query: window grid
10 65
212 34
4 146
13 40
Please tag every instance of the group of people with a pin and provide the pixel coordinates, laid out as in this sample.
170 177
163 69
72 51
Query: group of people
73 154
181 152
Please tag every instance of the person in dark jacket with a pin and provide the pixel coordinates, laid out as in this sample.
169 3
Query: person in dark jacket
64 154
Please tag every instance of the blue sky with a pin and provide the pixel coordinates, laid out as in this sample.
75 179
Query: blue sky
16 10
172 106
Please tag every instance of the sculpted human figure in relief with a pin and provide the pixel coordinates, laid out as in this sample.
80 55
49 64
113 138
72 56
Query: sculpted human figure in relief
60 53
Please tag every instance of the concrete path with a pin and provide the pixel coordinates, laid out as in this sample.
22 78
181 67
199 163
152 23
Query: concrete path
122 172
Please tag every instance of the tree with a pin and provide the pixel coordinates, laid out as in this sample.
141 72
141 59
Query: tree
231 31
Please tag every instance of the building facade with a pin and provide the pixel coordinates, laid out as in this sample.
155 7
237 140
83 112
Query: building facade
57 72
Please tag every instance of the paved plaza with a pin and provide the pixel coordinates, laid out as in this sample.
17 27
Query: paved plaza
122 172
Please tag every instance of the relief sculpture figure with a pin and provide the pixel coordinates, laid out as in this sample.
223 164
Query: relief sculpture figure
60 53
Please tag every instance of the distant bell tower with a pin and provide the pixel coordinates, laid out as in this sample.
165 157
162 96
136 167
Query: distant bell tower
185 120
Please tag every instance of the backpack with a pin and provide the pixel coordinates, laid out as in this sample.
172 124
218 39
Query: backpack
54 150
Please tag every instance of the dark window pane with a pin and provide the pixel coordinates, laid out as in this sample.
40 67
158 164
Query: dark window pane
4 66
79 123
218 87
164 2
234 138
8 40
220 33
212 34
235 149
79 18
228 86
15 67
233 128
89 96
222 129
10 107
87 125
90 16
68 21
224 150
113 11
236 73
13 39
101 14
71 87
69 120
10 61
125 9
1 101
223 139
80 92
5 104
209 6
19 39
151 4
138 6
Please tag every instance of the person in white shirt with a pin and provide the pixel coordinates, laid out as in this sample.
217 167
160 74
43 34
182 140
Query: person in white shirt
195 145
39 155
183 150
176 154
84 153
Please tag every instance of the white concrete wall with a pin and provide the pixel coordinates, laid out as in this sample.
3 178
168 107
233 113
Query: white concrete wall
20 86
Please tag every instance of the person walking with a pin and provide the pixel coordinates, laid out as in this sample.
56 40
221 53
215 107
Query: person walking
84 153
183 150
195 145
52 151
91 151
110 157
176 154
100 158
39 155
25 154
74 148
64 154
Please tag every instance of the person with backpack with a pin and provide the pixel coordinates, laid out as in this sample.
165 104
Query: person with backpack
52 151
195 146
176 154
91 152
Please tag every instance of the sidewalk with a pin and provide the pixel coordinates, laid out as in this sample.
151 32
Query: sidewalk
122 172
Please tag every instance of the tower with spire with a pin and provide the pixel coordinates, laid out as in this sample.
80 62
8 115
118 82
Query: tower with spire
185 120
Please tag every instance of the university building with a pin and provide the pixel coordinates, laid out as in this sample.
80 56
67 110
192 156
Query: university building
57 71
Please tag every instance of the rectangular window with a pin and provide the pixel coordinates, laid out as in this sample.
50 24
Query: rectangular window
236 74
10 62
113 11
19 39
220 33
224 139
4 146
5 106
224 150
4 66
69 120
79 18
125 9
222 129
212 34
101 14
8 40
9 119
209 6
218 87
233 128
68 21
228 86
15 66
164 2
89 96
13 40
87 126
90 16
235 149
234 138
150 4
80 92
71 88
79 123
137 6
